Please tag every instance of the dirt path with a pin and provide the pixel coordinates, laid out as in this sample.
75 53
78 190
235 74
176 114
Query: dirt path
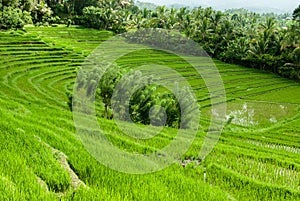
62 159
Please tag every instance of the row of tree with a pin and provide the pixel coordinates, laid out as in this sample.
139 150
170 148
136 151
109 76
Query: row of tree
132 96
267 42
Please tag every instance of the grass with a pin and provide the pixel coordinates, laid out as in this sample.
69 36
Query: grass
38 70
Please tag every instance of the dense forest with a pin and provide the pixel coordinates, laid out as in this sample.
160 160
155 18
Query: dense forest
268 42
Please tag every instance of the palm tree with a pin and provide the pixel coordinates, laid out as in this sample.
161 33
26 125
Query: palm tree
216 18
296 13
291 36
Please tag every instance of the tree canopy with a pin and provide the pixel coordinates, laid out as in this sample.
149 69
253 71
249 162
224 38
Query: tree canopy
296 13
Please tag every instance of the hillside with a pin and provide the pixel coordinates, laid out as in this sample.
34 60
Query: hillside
256 158
267 6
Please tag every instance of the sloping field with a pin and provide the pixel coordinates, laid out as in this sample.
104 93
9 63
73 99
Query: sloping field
257 157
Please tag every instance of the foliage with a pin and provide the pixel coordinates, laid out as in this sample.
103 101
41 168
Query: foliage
295 56
296 13
14 18
103 18
41 13
107 84
165 40
133 97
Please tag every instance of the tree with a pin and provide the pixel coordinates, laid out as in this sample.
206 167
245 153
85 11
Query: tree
14 18
134 98
296 56
10 3
95 17
296 13
140 104
107 85
40 12
236 50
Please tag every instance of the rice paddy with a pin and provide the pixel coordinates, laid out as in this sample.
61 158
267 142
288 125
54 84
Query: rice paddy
256 158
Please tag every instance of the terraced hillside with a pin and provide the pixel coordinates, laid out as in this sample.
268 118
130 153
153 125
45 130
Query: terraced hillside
257 157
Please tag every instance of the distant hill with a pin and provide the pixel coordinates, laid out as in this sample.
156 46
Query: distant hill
142 5
267 6
265 10
176 5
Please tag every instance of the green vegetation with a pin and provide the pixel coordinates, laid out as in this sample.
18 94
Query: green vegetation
296 13
256 158
178 106
37 72
267 42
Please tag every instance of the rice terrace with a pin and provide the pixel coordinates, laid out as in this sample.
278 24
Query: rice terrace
56 81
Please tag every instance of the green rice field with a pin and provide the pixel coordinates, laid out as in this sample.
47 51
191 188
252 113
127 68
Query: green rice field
256 158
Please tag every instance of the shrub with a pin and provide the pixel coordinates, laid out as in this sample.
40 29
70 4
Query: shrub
290 71
103 18
94 18
14 18
295 56
55 20
41 13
